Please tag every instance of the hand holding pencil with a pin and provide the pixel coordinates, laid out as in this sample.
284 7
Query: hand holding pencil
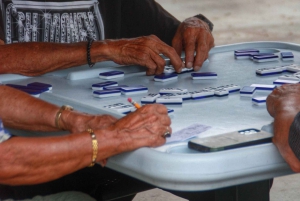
137 106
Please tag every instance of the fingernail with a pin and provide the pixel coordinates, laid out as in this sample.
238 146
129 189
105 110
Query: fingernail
189 65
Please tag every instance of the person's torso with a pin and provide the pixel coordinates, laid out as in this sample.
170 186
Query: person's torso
49 21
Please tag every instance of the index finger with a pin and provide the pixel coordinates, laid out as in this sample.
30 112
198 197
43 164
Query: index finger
190 46
173 56
201 52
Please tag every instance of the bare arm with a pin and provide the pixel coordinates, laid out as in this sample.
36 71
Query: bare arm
22 111
38 160
33 59
283 104
38 58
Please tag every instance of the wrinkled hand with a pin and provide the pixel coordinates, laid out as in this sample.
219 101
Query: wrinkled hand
283 104
285 98
142 128
77 122
143 51
193 35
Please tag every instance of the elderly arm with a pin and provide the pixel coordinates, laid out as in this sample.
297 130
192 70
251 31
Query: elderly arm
38 160
22 111
38 58
193 35
283 104
33 59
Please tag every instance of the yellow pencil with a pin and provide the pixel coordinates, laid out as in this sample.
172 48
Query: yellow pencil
135 104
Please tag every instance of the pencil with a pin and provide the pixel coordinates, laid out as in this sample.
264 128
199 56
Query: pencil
135 104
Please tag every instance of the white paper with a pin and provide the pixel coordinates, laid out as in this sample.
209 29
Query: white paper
187 133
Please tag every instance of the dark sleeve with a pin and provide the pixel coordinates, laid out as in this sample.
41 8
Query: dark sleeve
134 18
294 136
1 27
145 17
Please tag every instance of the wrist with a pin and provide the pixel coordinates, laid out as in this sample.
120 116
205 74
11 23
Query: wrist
59 123
99 51
207 21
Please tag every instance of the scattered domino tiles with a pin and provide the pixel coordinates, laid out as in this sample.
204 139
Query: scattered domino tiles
166 95
260 57
283 79
293 68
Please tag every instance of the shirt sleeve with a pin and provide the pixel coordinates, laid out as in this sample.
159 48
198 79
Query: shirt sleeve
141 18
1 27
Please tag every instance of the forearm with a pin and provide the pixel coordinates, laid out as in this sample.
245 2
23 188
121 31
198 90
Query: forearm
33 59
22 111
37 160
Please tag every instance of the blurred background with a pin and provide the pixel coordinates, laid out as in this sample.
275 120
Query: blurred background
237 21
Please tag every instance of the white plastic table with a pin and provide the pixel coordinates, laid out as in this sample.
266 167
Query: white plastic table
174 166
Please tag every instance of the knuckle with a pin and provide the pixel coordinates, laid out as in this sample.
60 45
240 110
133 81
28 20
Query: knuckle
144 56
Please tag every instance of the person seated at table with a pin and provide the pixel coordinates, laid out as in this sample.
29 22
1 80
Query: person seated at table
132 32
92 138
284 105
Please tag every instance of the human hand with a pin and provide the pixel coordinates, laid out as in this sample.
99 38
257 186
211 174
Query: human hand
284 100
283 105
143 51
77 122
193 35
143 128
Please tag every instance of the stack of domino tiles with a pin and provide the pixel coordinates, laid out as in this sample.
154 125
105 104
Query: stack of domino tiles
111 88
255 55
106 89
100 90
